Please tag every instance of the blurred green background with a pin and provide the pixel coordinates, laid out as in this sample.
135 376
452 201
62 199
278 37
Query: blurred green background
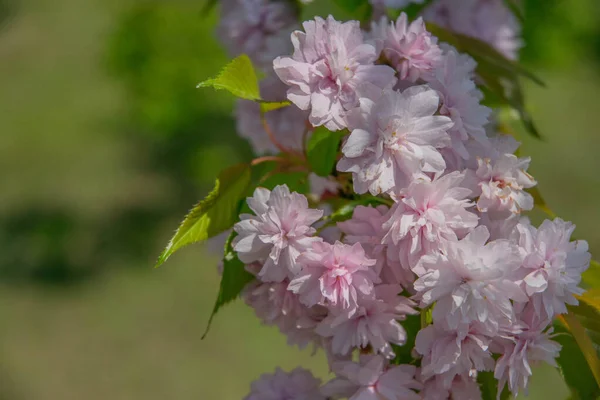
106 143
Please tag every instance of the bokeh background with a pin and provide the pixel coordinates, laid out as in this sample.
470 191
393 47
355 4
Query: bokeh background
105 143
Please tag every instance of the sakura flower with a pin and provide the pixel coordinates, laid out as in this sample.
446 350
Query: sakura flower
277 234
488 20
287 124
275 305
408 47
531 345
298 384
463 387
394 139
553 265
502 184
372 379
472 281
452 78
259 28
334 275
365 227
375 323
330 62
427 216
452 353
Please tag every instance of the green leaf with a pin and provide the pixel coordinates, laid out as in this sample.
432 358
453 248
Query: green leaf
238 77
266 106
234 279
489 386
412 325
583 325
573 366
213 215
322 149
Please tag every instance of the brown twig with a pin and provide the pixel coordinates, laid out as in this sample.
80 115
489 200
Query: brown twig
267 129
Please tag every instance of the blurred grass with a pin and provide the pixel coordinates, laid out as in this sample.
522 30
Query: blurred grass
88 151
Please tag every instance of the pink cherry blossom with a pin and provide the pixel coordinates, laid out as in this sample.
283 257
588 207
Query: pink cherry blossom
330 62
463 387
408 47
275 305
502 184
427 216
334 275
365 227
277 234
394 139
488 20
449 353
373 379
258 28
453 78
472 281
375 323
529 346
553 265
298 384
287 124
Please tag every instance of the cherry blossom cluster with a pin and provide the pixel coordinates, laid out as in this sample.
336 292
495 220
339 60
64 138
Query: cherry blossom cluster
442 233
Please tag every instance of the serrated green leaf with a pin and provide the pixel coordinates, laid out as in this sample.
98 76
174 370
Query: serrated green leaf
489 386
321 150
266 106
573 366
213 215
238 77
234 279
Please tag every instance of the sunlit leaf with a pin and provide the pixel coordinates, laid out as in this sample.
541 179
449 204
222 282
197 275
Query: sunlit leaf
266 106
233 281
238 77
213 215
322 149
